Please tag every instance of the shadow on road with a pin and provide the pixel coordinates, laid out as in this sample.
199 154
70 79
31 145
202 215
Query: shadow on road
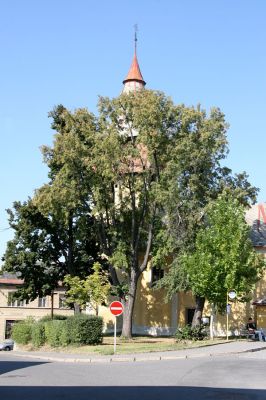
7 366
128 393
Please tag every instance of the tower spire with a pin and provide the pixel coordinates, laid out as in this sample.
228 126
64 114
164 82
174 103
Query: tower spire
134 79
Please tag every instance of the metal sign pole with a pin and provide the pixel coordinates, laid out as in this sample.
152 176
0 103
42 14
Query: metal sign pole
115 336
230 295
227 316
226 325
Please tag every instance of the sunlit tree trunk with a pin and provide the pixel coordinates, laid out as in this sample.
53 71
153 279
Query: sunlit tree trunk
128 304
198 311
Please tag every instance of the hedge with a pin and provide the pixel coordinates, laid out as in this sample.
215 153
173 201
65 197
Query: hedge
38 334
53 333
79 329
21 332
55 317
85 329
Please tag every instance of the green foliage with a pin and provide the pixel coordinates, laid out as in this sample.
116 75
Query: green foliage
223 258
139 177
85 329
34 252
38 334
55 317
55 333
191 333
21 331
54 232
121 290
78 330
94 289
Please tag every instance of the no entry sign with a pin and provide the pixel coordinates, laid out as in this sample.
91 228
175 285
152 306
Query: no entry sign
116 308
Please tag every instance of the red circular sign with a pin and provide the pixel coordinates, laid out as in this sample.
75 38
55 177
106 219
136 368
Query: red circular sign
116 308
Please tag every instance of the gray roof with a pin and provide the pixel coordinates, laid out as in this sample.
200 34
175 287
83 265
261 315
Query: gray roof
7 275
256 219
260 302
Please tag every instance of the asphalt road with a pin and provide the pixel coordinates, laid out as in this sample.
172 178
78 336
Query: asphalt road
230 377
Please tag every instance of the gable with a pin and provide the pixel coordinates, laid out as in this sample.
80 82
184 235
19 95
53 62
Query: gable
256 219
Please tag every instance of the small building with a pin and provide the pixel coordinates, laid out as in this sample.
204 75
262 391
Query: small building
12 310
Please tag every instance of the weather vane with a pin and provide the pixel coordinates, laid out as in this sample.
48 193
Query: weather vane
135 38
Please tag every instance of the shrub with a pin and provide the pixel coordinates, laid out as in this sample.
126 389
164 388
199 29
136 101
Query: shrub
38 334
64 337
21 331
55 317
56 333
84 329
52 332
191 333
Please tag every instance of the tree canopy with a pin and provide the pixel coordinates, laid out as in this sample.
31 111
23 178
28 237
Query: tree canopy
223 258
140 176
92 290
45 248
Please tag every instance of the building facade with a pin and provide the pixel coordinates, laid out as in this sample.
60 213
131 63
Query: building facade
12 310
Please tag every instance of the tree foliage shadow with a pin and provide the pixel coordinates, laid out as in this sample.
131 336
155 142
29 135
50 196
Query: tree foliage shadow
129 393
8 366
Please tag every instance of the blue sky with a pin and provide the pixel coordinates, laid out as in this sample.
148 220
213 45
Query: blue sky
63 51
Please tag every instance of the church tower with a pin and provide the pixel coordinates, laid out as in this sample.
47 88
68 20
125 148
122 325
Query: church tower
134 80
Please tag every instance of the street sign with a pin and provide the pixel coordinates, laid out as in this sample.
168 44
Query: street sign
116 308
232 294
228 308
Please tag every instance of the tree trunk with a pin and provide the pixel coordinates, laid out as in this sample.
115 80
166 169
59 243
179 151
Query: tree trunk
52 305
76 308
129 307
198 311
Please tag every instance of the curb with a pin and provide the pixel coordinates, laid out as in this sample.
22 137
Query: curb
135 358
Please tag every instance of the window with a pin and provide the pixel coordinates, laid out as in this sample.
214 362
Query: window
13 302
157 273
42 302
8 330
20 303
62 301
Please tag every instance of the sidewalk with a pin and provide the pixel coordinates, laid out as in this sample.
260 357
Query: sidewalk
232 347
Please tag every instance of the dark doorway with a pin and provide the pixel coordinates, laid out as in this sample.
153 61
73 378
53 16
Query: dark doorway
189 315
9 324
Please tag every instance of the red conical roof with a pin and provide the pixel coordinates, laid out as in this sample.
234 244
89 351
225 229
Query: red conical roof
134 73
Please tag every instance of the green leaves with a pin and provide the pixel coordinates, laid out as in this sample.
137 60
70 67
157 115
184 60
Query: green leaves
224 257
94 289
133 183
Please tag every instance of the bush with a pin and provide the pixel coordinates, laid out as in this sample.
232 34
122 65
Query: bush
191 333
53 332
64 337
78 329
84 329
21 332
38 334
55 317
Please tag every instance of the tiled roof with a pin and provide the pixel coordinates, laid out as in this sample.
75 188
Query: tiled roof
134 73
10 279
6 281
